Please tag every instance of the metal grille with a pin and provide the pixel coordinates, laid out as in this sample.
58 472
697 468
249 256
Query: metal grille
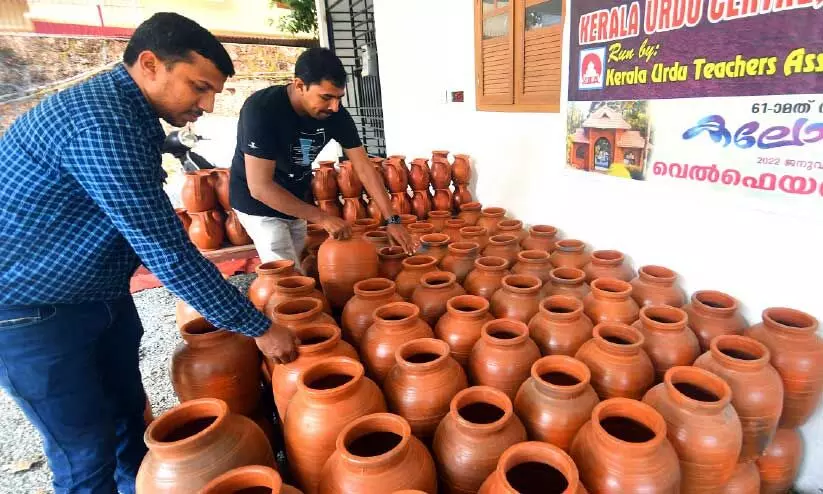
351 31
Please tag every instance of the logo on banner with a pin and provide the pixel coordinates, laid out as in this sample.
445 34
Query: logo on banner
592 69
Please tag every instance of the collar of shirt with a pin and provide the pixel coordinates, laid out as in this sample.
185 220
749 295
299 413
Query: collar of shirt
138 101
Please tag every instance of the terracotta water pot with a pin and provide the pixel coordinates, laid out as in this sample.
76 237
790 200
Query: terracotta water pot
470 439
461 169
442 200
656 285
263 287
435 245
373 211
358 314
503 356
505 246
292 287
216 363
420 228
361 226
470 212
324 182
438 219
435 289
331 207
541 237
234 230
556 400
394 324
414 268
419 174
378 239
569 253
462 195
460 259
757 390
668 341
348 182
476 234
195 442
206 231
535 263
421 204
518 298
701 425
441 172
318 341
490 217
331 393
512 227
560 327
780 463
608 264
619 365
407 219
184 218
395 173
377 454
487 276
461 324
534 467
623 448
423 382
746 480
341 264
401 203
611 301
713 314
567 281
452 229
198 194
390 262
251 478
797 354
353 209
298 311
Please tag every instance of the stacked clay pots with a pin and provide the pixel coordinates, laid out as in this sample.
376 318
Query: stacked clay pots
206 214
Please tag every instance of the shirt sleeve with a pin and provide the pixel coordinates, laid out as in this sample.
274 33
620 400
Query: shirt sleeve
255 136
121 174
345 132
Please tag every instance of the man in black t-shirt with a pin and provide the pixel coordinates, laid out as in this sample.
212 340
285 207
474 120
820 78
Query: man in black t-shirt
280 132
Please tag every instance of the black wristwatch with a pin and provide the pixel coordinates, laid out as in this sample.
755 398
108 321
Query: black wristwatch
393 220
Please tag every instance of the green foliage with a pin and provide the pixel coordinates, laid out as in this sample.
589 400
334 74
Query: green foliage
301 19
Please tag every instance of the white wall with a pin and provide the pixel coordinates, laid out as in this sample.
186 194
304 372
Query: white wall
426 47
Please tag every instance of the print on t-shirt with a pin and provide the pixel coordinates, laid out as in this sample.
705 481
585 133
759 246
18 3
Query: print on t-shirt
304 149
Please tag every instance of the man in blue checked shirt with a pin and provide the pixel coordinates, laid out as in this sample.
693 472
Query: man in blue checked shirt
82 202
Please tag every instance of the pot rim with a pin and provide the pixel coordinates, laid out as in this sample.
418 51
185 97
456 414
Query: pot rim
374 422
538 452
422 345
702 379
481 394
515 326
246 477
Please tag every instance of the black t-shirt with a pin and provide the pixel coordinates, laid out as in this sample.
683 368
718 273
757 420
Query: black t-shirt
270 129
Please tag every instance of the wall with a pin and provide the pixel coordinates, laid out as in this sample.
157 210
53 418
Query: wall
427 47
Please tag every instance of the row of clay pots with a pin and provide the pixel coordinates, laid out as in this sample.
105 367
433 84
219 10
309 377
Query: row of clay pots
420 203
209 229
205 190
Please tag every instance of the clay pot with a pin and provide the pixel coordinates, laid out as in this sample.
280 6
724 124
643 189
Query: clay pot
198 194
361 226
441 172
569 253
668 341
452 229
298 311
746 480
512 227
535 263
757 390
460 259
251 478
442 200
373 211
421 203
461 169
401 203
470 439
608 264
353 209
331 207
534 467
394 324
318 341
567 281
712 314
541 237
462 195
206 230
377 454
414 268
341 264
234 230
184 218
417 230
656 285
421 385
619 365
487 276
470 212
560 327
556 400
624 448
476 234
368 296
518 298
461 324
419 174
438 219
315 235
216 363
797 354
505 246
435 245
395 173
195 442
503 356
611 301
391 262
263 287
378 239
780 463
348 182
331 393
701 425
292 287
490 217
324 182
435 289
407 219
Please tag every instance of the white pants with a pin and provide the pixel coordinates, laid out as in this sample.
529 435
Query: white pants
275 238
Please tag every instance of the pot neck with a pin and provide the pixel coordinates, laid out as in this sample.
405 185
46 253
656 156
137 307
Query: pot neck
493 213
201 333
570 246
374 423
437 353
419 263
468 307
739 353
184 430
248 477
438 280
611 289
790 323
375 288
391 253
537 452
714 304
663 318
561 308
481 395
298 309
505 332
571 277
485 264
618 338
473 231
607 258
543 231
275 268
533 257
322 338
503 240
636 411
657 275
464 249
295 286
548 371
396 316
697 389
311 381
521 284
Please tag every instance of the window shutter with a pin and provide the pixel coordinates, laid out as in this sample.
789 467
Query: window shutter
539 54
494 52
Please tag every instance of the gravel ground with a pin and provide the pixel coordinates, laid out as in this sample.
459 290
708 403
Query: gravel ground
20 444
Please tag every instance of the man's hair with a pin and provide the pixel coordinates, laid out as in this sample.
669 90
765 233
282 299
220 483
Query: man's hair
316 65
172 38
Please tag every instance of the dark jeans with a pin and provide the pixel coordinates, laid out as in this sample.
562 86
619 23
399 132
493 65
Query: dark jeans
73 369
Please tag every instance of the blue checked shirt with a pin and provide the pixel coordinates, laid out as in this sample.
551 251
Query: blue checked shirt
82 203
